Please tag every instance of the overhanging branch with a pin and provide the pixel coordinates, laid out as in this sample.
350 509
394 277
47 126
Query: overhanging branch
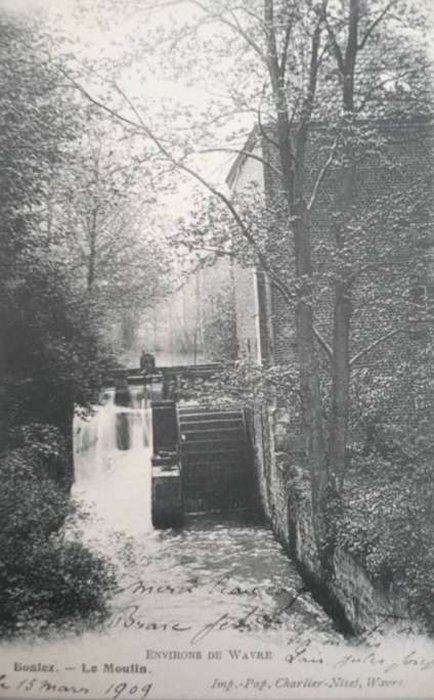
247 154
323 172
181 165
375 24
336 48
375 343
323 343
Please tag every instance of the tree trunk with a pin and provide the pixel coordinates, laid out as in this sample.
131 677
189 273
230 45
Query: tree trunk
350 56
340 384
342 312
93 224
92 251
292 184
309 376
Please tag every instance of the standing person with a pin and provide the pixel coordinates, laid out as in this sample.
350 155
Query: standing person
147 361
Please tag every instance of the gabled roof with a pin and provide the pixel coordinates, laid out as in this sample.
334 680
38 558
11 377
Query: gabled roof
251 142
419 122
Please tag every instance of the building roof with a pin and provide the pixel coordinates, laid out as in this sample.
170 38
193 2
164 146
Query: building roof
416 122
251 142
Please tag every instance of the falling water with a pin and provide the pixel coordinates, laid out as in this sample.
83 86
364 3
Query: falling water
112 458
213 584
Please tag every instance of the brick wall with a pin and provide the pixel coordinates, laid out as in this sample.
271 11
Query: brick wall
404 159
265 323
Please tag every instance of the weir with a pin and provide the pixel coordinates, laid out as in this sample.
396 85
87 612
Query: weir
112 461
124 465
147 456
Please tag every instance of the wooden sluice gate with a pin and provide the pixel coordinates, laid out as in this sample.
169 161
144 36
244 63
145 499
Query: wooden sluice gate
202 458
167 492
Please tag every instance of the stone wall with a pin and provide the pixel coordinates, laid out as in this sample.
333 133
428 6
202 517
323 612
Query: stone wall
364 603
284 491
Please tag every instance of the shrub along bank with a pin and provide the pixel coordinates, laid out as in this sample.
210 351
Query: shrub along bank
45 580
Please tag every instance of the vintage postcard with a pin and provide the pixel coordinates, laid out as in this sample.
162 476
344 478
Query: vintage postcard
217 349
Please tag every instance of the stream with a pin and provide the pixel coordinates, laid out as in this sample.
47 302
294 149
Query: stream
215 609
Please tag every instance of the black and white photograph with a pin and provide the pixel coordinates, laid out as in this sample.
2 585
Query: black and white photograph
216 349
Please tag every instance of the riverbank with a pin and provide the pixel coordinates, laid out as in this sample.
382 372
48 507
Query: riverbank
210 611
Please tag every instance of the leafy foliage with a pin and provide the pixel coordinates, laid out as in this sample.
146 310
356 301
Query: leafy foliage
388 501
386 524
218 327
44 580
102 219
51 353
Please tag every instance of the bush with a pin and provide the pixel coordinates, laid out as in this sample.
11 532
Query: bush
388 501
387 524
44 580
47 581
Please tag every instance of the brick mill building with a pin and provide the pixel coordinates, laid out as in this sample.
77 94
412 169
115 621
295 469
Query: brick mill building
395 172
265 328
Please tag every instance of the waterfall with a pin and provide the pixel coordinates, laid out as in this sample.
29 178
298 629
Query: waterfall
112 461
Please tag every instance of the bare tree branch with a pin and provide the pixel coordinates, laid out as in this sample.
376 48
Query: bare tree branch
272 59
377 86
266 136
180 164
336 48
321 175
373 345
284 51
235 25
323 343
247 154
249 11
309 100
375 24
192 32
